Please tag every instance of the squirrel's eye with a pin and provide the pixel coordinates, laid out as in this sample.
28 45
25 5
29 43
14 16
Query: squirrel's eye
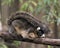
38 28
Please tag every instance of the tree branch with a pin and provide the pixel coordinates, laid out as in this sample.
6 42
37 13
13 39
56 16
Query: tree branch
45 41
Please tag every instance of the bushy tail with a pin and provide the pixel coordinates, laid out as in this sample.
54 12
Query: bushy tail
25 16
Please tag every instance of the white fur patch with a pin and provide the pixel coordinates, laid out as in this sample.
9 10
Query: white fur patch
43 35
38 28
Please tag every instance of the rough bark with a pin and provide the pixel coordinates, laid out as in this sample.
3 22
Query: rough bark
46 41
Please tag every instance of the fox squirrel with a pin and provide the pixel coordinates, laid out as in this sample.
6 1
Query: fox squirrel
25 25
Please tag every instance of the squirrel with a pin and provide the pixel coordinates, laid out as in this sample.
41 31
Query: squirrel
27 26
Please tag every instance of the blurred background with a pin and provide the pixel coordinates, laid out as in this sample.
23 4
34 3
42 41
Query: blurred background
48 11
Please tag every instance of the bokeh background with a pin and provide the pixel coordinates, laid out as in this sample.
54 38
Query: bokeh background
47 11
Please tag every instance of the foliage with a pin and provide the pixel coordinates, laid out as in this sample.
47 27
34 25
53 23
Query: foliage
28 6
50 46
17 43
51 8
4 2
2 45
8 2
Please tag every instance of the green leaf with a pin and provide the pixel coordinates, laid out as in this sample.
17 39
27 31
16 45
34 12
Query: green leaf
3 45
24 6
34 3
55 1
21 1
47 1
17 43
31 9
